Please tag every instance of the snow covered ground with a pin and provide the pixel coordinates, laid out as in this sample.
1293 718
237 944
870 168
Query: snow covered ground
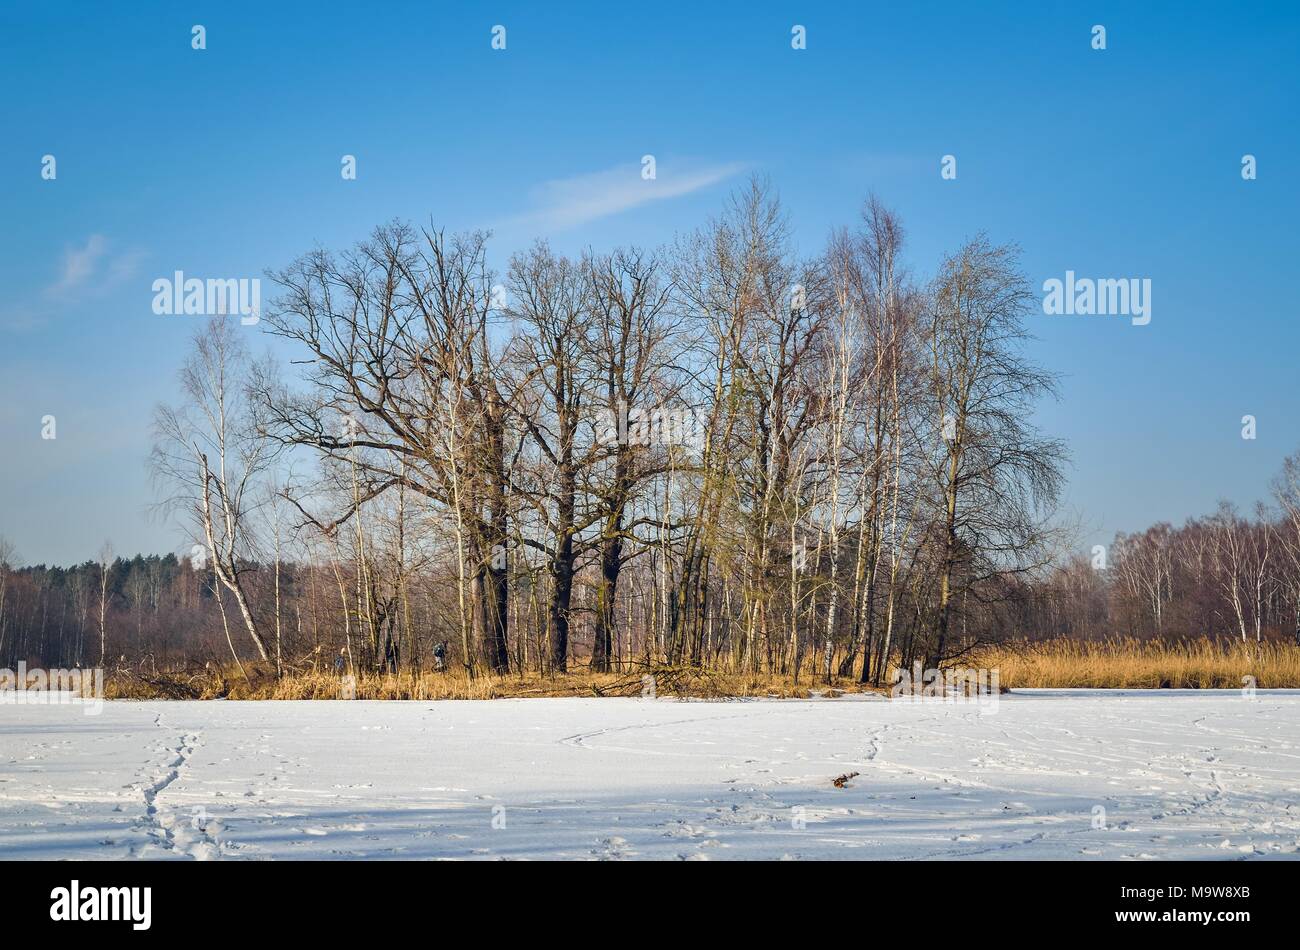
1072 774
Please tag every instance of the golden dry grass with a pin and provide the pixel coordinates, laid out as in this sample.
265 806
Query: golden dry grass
1136 664
1107 664
456 684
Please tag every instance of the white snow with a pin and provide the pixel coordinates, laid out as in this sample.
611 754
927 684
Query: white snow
1178 774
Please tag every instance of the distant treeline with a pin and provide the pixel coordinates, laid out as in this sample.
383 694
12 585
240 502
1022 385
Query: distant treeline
1221 576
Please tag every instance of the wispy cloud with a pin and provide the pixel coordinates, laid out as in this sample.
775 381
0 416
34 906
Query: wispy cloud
87 271
79 264
92 269
565 203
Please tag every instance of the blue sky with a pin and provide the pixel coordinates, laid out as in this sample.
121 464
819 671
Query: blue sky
224 162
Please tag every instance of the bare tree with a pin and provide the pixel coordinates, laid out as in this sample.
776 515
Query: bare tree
996 478
105 562
8 555
209 453
397 329
551 295
1286 489
632 362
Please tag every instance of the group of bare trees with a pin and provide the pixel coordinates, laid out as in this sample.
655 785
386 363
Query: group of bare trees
719 453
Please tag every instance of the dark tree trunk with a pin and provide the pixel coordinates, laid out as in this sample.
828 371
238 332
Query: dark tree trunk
611 563
561 596
497 594
562 570
611 560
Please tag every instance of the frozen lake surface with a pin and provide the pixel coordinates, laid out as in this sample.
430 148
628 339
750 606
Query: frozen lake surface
1043 774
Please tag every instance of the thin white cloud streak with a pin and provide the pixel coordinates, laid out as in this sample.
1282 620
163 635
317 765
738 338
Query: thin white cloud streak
564 203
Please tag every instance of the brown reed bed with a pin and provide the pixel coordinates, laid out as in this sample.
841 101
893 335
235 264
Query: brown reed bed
1121 663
